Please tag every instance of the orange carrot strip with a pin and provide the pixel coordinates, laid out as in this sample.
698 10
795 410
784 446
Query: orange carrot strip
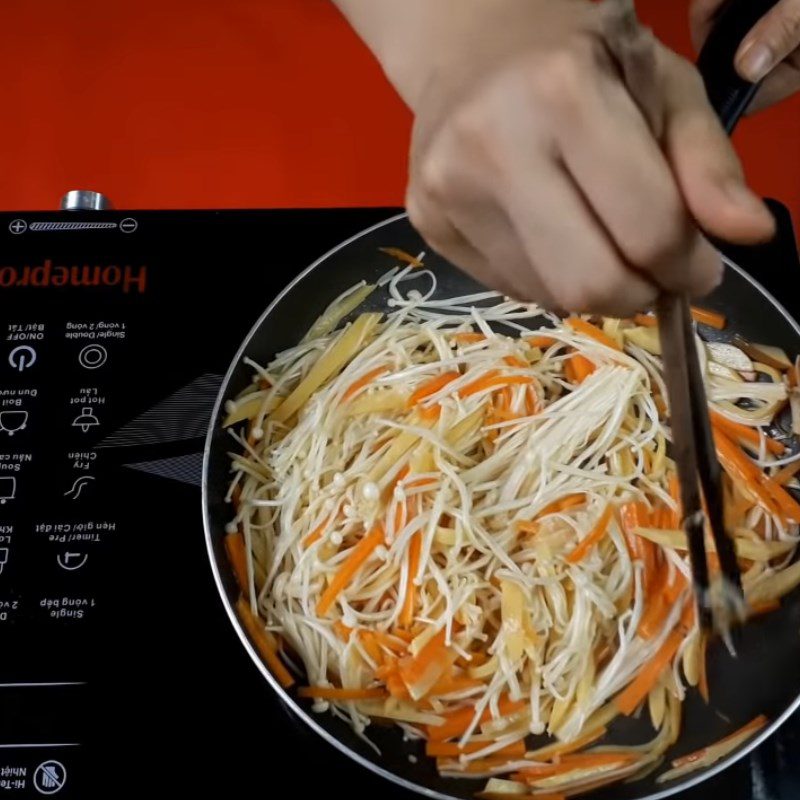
646 320
745 433
596 534
372 646
468 337
401 255
515 361
360 553
414 551
540 341
264 643
753 726
592 331
335 693
457 722
432 386
656 607
707 317
582 367
491 380
421 672
787 504
342 630
631 696
784 475
237 555
396 687
430 413
316 534
742 470
452 749
363 381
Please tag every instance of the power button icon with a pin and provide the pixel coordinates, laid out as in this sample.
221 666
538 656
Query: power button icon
22 357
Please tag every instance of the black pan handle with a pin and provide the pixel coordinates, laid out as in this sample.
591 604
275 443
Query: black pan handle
730 95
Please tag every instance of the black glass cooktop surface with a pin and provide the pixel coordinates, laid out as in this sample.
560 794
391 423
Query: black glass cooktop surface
120 674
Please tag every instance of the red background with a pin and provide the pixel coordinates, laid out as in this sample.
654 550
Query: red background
237 103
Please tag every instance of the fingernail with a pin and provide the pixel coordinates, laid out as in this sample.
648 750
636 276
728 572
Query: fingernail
755 61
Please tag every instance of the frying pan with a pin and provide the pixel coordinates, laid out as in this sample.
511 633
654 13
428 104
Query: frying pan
763 679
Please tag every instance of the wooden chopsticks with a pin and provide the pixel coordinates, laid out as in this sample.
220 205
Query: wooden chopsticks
698 467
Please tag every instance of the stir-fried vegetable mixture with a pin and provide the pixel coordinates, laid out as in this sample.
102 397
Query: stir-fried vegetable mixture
462 516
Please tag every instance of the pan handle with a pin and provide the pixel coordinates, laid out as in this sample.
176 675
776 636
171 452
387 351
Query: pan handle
730 95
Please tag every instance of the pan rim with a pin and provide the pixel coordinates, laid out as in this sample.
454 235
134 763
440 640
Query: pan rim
282 694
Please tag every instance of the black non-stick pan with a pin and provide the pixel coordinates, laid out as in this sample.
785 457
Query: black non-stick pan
763 679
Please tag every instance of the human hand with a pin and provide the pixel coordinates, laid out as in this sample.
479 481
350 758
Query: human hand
771 50
559 153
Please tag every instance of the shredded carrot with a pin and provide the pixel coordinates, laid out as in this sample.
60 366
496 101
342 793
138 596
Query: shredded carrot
707 317
745 433
753 726
453 749
580 325
421 672
515 361
360 553
646 320
335 693
414 550
631 696
363 381
787 504
430 413
785 474
431 387
491 380
342 630
316 534
237 555
596 534
656 609
557 506
742 470
540 341
372 646
583 367
264 642
457 722
401 255
468 337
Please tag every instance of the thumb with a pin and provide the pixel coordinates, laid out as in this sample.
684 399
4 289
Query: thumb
772 39
704 162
